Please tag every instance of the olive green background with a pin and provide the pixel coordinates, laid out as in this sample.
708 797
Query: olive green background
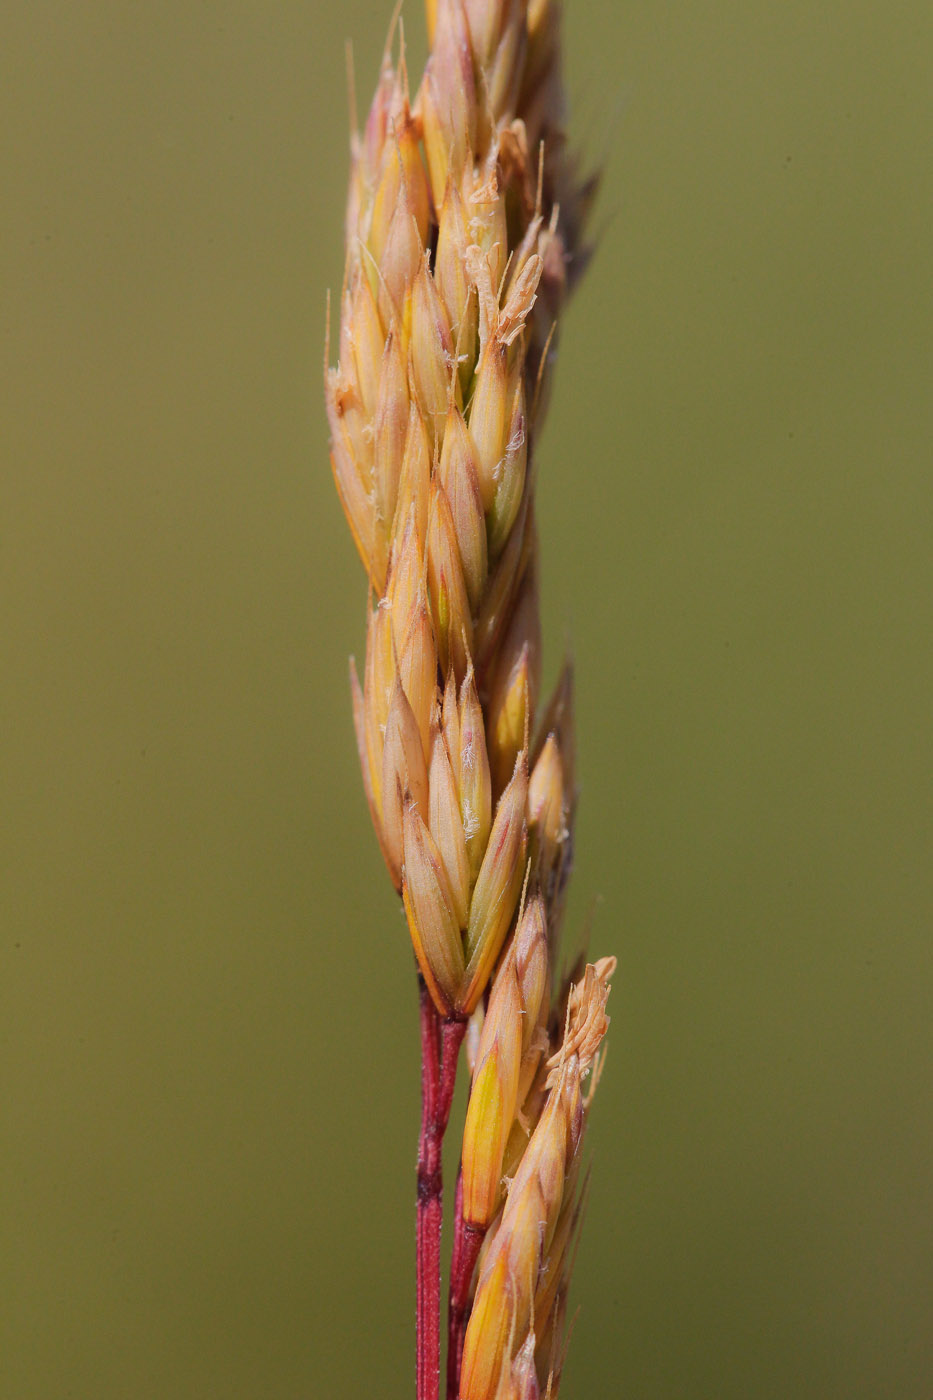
208 1067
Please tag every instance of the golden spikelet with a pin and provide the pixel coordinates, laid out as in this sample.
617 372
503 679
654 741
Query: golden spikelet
523 1271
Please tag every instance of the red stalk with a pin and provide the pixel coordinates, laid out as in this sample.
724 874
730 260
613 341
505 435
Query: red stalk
468 1241
440 1050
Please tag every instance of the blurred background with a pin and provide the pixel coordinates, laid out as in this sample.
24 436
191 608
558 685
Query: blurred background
208 1044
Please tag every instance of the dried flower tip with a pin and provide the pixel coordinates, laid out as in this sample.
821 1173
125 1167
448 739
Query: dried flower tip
488 254
520 300
587 1021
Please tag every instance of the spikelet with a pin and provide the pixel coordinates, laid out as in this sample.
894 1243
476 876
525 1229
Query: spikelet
524 1270
511 1044
463 226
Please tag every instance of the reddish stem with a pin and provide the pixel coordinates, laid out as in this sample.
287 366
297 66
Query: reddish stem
440 1050
428 1210
468 1241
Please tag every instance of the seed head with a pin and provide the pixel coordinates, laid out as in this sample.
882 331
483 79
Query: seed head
464 227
